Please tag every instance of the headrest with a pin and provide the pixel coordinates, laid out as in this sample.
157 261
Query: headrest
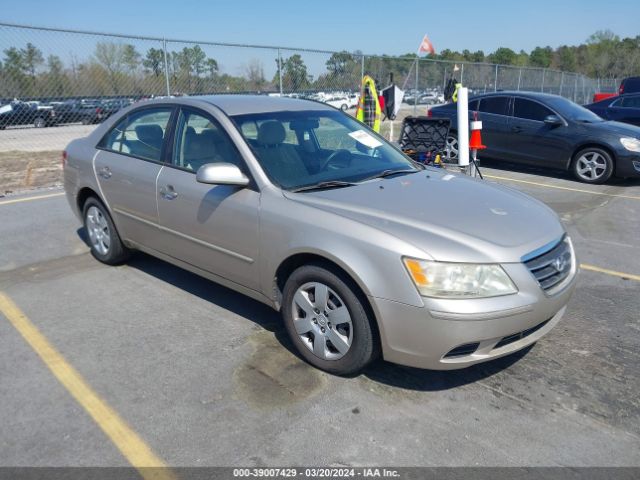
190 130
271 133
150 134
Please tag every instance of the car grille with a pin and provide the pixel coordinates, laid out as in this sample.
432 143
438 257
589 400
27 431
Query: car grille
520 335
553 266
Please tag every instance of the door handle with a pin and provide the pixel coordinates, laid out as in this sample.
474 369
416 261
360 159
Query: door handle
104 172
516 129
168 193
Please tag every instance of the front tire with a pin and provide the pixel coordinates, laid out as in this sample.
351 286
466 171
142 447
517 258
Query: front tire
104 239
327 322
40 123
592 165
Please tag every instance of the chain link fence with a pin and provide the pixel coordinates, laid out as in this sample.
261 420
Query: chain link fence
71 80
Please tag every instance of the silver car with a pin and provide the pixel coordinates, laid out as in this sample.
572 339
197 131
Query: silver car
300 206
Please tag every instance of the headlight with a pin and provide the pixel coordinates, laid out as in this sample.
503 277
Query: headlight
631 144
459 280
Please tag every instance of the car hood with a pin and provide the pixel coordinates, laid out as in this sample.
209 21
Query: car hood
615 128
451 217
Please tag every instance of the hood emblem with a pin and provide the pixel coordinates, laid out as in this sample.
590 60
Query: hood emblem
498 211
560 264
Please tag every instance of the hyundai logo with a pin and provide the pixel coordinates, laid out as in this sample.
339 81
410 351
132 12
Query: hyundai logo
560 264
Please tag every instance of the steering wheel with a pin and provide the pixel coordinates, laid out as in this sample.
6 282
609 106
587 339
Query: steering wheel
338 154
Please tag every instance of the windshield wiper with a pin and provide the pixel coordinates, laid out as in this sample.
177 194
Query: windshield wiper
389 173
323 185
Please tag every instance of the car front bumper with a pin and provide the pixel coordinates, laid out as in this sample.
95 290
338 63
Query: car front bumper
627 164
442 335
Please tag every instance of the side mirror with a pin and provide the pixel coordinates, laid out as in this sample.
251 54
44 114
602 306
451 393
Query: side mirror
221 174
553 120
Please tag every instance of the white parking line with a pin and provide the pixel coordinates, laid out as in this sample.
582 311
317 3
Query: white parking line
546 185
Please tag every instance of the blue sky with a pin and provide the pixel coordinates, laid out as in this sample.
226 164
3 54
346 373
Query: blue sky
393 27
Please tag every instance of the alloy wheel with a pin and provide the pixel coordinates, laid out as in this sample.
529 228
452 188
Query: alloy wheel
591 166
452 147
322 321
98 230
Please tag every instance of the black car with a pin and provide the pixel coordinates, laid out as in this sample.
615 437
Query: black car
87 112
623 108
551 131
22 113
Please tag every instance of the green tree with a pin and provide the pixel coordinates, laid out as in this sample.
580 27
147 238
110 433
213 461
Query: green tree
295 76
154 61
503 56
541 57
110 56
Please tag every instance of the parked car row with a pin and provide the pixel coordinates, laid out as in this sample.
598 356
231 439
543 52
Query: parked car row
86 111
552 131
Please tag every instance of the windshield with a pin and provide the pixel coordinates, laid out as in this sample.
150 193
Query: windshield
573 111
301 149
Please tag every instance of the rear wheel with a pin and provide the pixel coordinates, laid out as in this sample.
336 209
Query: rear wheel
344 107
104 240
327 322
40 122
452 147
592 165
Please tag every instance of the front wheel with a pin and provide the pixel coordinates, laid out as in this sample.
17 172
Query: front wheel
592 165
327 322
40 123
104 240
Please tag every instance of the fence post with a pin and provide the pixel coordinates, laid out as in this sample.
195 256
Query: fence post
561 82
575 88
166 66
361 68
519 78
461 73
280 71
415 100
542 86
495 82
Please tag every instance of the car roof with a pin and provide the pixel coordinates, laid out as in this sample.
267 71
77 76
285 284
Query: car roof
243 104
519 93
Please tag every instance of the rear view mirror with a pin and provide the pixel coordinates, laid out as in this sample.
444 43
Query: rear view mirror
553 120
221 174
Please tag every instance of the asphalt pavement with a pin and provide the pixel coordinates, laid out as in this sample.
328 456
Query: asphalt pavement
206 376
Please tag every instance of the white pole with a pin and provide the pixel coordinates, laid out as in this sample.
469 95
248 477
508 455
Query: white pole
391 131
463 127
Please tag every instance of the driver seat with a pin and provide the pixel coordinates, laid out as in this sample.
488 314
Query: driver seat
279 159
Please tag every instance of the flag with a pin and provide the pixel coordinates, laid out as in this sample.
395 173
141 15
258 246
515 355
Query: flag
426 46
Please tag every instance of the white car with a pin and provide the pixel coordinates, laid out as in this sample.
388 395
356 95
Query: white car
343 103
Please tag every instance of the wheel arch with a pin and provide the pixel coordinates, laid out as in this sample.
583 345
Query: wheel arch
299 259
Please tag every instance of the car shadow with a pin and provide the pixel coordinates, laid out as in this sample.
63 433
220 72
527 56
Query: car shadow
551 173
380 371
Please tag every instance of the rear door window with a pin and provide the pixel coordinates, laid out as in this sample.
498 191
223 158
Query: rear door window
629 102
141 134
495 105
530 110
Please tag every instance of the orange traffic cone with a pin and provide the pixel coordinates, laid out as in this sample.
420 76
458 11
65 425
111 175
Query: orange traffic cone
475 143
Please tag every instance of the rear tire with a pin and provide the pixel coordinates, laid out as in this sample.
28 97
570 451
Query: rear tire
327 322
39 122
592 165
104 240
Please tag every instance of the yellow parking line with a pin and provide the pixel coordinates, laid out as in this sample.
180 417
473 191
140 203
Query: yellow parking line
615 273
136 451
28 199
581 190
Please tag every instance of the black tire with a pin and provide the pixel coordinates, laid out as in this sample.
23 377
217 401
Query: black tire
601 159
344 107
40 122
86 121
364 344
116 253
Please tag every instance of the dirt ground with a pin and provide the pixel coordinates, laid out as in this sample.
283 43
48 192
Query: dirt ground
28 170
